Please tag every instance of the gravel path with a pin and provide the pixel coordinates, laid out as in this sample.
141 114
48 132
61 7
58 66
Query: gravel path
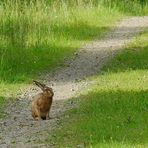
19 130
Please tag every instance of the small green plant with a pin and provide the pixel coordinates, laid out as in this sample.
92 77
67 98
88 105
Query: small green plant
2 103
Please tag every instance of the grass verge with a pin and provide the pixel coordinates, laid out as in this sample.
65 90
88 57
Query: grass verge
37 37
40 37
115 112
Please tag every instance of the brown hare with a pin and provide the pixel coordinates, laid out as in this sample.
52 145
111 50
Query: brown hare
41 103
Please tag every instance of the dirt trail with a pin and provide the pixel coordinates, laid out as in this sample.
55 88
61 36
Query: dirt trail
19 129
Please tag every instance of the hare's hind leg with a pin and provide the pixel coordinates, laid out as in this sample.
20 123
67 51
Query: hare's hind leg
36 114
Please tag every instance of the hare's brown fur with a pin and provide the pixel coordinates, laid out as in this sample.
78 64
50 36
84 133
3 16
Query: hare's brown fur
41 103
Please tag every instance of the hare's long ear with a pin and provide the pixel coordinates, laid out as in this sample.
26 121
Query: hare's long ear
39 84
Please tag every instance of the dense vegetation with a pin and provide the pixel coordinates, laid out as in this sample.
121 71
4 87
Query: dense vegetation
114 113
37 35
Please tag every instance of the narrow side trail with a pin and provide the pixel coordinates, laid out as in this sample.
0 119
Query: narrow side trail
19 129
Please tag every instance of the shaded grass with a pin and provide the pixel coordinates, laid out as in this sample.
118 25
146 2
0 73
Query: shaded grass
23 67
114 113
33 41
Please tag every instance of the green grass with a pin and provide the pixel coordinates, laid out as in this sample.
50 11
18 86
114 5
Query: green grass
130 7
37 38
114 113
2 104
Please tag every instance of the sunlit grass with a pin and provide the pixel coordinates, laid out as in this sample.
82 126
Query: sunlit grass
114 113
37 37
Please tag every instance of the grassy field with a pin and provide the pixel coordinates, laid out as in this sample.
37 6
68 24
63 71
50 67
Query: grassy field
38 35
114 113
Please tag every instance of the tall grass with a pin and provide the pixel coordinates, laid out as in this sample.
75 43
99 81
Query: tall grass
37 36
130 7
